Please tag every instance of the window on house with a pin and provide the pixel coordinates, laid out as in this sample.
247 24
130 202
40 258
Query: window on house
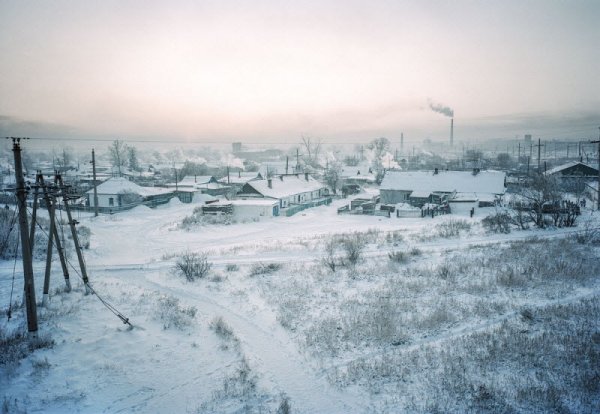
111 201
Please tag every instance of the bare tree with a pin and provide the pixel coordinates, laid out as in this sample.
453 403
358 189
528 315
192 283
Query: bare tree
118 154
313 148
332 175
379 146
543 194
65 158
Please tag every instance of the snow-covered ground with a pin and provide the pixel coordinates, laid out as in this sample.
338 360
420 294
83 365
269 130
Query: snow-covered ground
301 335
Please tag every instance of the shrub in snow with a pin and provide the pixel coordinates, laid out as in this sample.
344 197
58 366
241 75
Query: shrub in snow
397 257
40 365
497 223
264 268
415 251
17 345
284 406
199 219
84 234
589 234
232 268
222 329
239 393
11 406
452 228
394 237
353 245
330 258
172 314
192 265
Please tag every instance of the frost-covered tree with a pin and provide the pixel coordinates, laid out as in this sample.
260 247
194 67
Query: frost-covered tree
543 192
332 175
313 148
132 158
118 154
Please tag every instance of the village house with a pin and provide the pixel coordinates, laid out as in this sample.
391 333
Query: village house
361 174
117 193
190 185
248 209
574 175
293 192
237 180
479 188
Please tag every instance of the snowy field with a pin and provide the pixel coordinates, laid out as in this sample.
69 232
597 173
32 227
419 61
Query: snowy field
431 315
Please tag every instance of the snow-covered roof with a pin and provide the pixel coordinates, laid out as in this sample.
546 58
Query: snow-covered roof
190 180
289 186
491 182
240 178
420 194
277 167
254 202
119 185
567 165
362 169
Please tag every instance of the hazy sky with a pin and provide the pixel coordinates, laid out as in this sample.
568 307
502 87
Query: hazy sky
273 70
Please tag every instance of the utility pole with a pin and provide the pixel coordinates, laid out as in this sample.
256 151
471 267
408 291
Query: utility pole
33 215
95 183
53 234
49 258
287 162
58 180
297 160
598 142
21 192
539 147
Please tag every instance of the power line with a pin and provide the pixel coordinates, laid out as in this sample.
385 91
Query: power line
107 304
340 142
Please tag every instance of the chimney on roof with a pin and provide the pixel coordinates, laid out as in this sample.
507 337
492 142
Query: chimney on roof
306 176
270 183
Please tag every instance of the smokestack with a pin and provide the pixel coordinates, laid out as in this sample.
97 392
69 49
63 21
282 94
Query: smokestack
402 142
451 131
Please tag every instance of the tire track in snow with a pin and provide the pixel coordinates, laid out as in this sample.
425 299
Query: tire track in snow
272 355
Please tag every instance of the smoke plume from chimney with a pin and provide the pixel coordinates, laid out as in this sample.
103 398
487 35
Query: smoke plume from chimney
441 109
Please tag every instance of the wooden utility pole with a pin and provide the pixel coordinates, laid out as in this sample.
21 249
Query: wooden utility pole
33 215
539 147
95 183
52 235
21 192
48 258
58 180
598 142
